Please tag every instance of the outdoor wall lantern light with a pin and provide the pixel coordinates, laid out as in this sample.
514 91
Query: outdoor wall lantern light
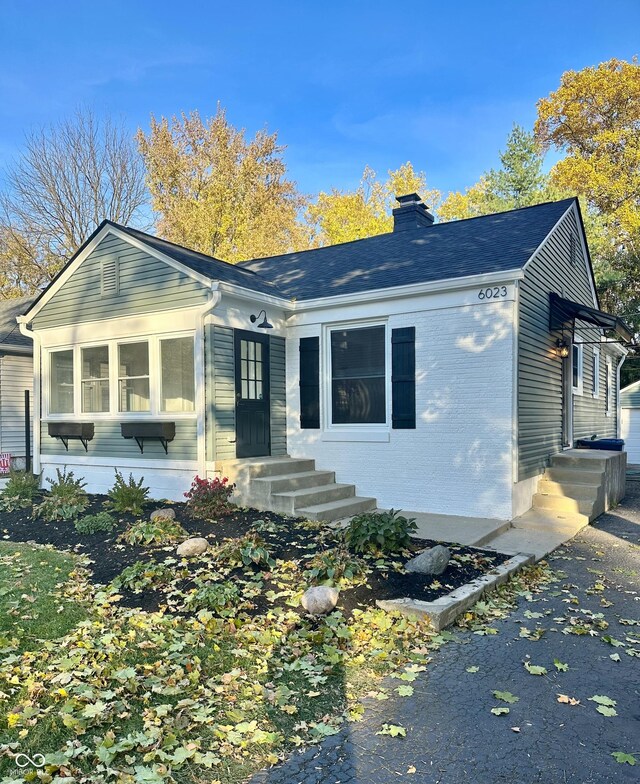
562 348
264 324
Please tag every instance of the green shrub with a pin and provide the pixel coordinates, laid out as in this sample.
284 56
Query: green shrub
91 524
209 498
334 565
249 550
20 491
212 596
129 496
162 530
386 532
141 575
66 499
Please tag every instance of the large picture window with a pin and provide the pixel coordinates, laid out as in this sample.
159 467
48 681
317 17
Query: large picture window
61 382
95 380
178 377
358 377
133 377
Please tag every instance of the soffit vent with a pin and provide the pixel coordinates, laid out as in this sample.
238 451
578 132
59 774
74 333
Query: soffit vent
110 282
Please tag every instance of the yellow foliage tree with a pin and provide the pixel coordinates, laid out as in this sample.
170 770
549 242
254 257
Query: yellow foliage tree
343 216
594 118
217 192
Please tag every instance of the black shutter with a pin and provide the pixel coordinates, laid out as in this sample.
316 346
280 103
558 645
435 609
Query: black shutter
403 378
310 383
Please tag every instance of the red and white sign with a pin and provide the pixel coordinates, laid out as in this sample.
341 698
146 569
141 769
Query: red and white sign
5 463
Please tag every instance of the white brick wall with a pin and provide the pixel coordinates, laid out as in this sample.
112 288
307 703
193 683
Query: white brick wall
458 460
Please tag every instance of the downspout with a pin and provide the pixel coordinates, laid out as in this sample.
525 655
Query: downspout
37 389
201 373
618 402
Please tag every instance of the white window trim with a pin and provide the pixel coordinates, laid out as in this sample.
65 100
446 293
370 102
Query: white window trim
595 389
609 382
155 380
378 431
579 389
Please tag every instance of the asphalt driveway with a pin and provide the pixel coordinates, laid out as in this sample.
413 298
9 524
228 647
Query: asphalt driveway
589 620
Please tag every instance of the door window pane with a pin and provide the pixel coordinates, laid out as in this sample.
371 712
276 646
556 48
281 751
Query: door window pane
251 370
61 382
133 376
178 375
95 379
358 386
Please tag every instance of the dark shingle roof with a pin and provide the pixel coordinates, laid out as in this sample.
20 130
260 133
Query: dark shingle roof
490 243
10 334
210 267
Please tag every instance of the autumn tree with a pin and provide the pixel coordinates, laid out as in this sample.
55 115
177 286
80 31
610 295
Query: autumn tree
67 179
342 216
218 192
593 118
520 182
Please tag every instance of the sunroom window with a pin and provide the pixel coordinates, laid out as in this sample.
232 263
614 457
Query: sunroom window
61 382
358 378
95 380
178 377
133 376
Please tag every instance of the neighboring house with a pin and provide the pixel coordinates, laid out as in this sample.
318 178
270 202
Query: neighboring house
16 377
630 419
421 365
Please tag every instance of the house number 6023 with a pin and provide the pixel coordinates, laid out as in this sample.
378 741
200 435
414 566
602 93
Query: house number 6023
493 293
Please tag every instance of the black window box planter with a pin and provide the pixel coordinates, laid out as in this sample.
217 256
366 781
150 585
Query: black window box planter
149 431
82 431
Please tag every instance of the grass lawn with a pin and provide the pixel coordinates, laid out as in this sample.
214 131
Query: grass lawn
226 676
32 605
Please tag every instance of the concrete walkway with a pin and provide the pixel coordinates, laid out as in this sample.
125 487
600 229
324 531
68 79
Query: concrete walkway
589 620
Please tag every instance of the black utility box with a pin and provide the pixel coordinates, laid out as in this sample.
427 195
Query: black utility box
610 444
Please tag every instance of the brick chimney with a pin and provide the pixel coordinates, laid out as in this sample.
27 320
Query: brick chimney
411 214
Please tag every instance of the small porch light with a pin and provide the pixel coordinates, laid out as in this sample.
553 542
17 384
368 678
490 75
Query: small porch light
264 324
562 348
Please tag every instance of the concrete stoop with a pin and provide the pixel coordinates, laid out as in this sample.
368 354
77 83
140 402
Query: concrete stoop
294 487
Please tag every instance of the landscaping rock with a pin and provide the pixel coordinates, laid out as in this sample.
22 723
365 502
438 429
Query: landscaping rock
320 600
165 514
431 561
195 546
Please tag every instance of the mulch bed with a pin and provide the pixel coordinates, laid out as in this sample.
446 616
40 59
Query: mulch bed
291 541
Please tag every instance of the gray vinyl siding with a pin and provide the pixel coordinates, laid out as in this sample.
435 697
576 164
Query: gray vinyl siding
146 285
109 443
278 395
589 415
16 376
630 396
221 394
539 369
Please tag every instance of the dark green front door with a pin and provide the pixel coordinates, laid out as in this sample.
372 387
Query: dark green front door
253 427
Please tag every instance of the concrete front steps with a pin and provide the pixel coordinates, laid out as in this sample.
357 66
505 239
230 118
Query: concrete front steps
292 486
576 485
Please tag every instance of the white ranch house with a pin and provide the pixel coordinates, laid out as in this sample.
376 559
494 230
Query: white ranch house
420 369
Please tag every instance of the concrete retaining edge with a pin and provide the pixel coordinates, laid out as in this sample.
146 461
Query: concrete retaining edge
443 611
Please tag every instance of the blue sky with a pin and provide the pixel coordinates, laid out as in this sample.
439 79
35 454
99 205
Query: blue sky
344 83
